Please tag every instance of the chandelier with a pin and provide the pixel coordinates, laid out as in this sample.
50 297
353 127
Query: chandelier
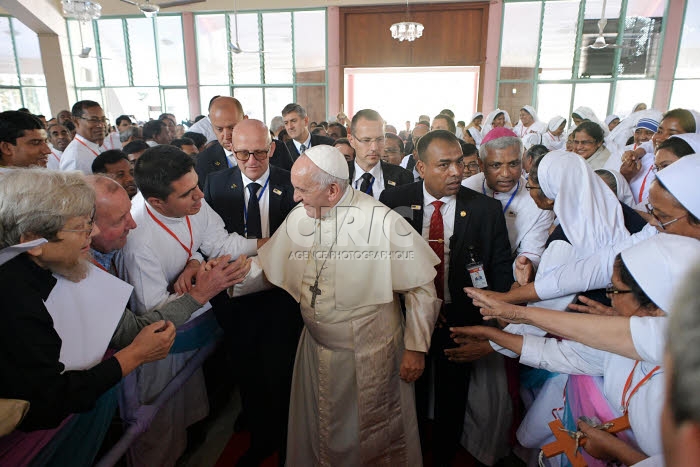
406 31
82 10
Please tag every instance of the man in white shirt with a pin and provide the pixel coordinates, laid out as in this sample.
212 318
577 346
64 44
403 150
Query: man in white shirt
59 138
22 140
162 254
89 119
156 132
501 153
368 173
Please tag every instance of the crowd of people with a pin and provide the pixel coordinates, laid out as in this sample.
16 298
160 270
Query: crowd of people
455 293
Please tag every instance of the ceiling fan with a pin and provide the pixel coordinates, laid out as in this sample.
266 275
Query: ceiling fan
599 42
85 51
235 47
150 10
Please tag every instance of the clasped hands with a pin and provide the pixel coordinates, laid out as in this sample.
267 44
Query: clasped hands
204 280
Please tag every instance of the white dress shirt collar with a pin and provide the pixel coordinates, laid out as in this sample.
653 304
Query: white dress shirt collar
307 143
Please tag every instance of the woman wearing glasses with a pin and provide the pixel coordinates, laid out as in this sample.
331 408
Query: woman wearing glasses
631 381
589 143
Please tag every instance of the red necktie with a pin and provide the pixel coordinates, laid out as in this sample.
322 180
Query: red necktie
437 243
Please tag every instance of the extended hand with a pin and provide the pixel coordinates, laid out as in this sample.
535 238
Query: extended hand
592 307
219 274
474 344
630 165
183 283
524 270
491 307
599 443
412 365
154 341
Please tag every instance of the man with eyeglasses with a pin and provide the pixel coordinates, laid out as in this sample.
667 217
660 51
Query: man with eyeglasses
225 113
89 119
393 149
368 173
253 199
472 162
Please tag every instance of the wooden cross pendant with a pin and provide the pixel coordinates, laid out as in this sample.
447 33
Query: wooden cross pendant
564 444
314 292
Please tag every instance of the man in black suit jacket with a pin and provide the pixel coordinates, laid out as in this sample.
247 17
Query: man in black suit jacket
262 330
296 122
368 173
473 226
225 113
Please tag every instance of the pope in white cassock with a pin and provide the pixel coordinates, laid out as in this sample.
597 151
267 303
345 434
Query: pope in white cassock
345 257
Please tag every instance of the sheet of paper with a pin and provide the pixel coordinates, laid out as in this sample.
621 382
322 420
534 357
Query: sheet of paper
6 254
86 314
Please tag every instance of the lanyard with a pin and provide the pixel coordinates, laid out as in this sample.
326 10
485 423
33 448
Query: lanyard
624 404
369 188
245 208
96 263
89 148
228 161
172 234
644 182
55 156
483 189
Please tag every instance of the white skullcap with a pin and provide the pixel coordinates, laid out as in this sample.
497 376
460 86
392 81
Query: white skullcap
661 264
329 159
680 179
693 140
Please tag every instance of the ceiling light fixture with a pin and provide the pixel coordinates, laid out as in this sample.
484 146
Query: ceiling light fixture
82 10
406 30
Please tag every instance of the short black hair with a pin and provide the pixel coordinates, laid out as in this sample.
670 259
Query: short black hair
14 123
180 142
23 109
153 128
367 114
121 118
677 146
135 146
592 129
317 130
70 125
537 150
198 139
450 121
402 148
468 149
99 165
198 118
448 112
80 107
434 135
158 167
343 130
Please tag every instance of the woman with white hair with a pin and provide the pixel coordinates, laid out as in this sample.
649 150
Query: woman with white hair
632 388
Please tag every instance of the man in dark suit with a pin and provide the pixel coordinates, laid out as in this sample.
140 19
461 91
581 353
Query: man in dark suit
225 113
262 329
367 172
463 227
296 122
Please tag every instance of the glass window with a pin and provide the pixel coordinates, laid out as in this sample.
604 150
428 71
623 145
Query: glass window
10 99
685 94
252 101
246 64
512 97
520 41
310 46
595 96
206 93
599 62
82 45
631 92
552 100
143 52
641 39
177 103
171 52
37 100
91 95
212 49
275 100
113 52
558 39
689 50
141 102
8 65
277 42
28 54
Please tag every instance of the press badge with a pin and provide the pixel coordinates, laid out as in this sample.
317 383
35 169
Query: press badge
476 272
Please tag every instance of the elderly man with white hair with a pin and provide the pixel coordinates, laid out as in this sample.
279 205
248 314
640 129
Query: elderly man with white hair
345 257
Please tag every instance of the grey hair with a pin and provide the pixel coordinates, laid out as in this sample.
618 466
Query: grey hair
294 107
322 178
276 123
501 143
682 341
40 202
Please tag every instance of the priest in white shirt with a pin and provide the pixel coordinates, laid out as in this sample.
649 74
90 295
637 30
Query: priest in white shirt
59 138
175 227
501 153
89 119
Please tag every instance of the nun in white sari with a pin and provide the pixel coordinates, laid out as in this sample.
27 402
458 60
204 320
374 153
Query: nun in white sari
474 128
618 185
494 119
586 113
554 138
528 123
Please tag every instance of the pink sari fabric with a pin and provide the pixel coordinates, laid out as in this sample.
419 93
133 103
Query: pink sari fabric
18 449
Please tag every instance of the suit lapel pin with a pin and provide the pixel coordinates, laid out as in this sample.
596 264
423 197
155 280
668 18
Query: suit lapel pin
391 182
234 186
416 207
463 214
217 163
276 191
